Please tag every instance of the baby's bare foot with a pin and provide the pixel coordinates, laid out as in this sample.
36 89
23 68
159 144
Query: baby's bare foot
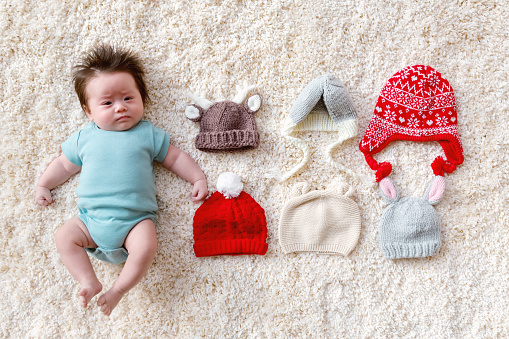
88 291
109 300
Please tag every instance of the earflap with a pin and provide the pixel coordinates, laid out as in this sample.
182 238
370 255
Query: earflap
435 190
388 190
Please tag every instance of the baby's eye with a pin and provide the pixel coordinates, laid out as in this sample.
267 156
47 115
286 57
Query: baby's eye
107 103
127 98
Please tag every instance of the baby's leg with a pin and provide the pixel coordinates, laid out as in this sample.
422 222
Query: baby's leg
141 244
72 238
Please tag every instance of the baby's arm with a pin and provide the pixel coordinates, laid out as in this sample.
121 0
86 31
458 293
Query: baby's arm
185 167
58 171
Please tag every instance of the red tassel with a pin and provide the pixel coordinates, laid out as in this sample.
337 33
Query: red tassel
440 166
384 169
449 167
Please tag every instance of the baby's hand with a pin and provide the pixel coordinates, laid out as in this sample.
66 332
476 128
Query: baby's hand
200 190
43 196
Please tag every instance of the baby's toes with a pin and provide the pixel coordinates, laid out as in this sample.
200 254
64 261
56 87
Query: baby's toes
82 301
103 305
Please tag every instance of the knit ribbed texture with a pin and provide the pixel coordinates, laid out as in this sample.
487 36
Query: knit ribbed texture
227 140
229 226
230 246
323 105
323 221
226 126
409 228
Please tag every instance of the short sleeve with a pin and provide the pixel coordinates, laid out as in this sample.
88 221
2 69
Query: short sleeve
161 143
70 149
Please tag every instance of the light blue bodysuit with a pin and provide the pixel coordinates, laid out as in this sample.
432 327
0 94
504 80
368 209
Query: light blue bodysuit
117 183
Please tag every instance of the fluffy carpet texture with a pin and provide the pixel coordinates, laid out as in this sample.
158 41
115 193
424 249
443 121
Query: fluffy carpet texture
210 47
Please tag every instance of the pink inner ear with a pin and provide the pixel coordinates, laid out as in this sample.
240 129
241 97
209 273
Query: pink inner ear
437 189
388 188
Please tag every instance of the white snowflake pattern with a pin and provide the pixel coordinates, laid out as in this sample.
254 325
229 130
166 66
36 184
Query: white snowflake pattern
441 121
390 115
413 123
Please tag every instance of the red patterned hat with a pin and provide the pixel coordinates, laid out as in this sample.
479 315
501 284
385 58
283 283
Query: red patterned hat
230 221
416 104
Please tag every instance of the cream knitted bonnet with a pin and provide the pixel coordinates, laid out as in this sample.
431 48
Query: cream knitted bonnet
323 221
323 105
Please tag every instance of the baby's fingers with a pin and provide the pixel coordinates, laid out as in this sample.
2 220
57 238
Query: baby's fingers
43 202
43 197
199 193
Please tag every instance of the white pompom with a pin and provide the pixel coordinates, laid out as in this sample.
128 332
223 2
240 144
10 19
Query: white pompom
229 184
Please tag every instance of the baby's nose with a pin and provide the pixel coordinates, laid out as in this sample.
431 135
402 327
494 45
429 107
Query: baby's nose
120 108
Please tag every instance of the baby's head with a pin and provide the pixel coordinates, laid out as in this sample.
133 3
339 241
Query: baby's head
110 82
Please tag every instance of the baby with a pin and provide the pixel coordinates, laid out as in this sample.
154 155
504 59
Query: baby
117 193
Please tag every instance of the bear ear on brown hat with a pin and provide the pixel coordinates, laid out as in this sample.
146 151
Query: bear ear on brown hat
253 104
195 112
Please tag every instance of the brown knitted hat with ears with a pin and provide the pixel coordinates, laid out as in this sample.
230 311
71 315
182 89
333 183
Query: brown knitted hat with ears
226 125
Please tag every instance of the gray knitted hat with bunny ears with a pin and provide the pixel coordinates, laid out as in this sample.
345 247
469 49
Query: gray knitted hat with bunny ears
410 227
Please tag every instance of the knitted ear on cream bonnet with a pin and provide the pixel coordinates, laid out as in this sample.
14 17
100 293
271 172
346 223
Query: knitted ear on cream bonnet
323 105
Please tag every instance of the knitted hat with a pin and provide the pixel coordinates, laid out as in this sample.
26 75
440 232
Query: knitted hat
416 104
410 227
226 125
323 105
324 221
230 221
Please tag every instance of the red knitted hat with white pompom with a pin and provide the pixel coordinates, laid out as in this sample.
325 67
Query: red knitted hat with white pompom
416 104
229 222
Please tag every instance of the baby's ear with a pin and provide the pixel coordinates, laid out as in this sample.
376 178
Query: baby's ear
435 190
254 103
194 112
388 190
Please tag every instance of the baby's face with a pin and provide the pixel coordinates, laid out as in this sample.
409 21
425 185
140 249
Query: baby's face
113 101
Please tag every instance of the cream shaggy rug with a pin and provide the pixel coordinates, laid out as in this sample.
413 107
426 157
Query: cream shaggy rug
210 47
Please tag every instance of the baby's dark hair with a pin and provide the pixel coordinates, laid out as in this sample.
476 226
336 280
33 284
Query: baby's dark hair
107 59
